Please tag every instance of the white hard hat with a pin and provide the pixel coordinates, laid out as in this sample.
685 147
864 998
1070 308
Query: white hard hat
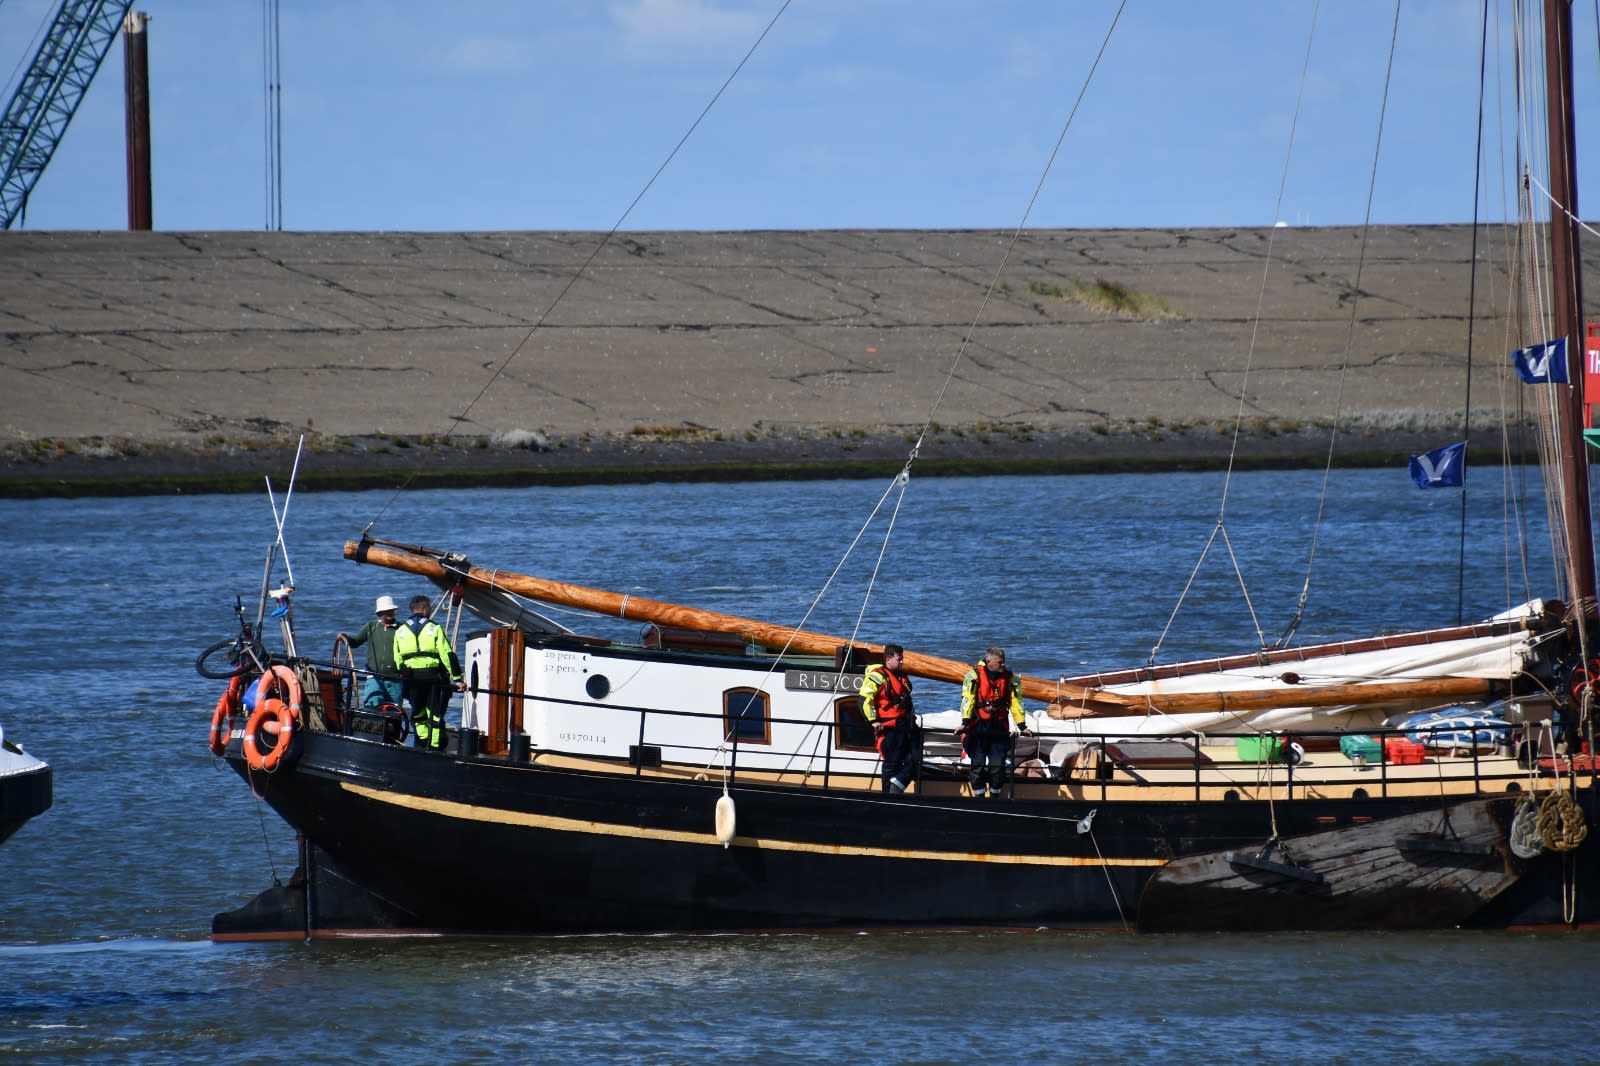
385 603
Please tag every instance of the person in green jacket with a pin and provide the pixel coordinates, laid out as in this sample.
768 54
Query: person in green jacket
430 669
383 677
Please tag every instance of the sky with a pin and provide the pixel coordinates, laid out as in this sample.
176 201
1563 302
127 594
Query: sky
554 114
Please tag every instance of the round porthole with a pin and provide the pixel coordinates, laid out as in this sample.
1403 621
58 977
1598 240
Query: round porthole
1231 796
1514 787
1359 794
598 686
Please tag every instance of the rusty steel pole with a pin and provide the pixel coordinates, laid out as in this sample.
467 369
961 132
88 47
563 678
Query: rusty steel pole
136 82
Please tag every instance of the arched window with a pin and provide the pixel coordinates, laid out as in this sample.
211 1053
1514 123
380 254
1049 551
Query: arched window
851 730
746 716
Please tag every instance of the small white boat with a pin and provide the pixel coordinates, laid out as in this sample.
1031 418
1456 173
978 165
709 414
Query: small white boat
25 787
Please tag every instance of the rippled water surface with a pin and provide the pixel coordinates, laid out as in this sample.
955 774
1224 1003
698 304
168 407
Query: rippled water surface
106 901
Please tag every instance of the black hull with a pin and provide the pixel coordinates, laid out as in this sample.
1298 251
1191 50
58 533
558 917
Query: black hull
24 796
400 840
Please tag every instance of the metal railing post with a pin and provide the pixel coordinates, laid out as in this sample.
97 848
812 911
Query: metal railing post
638 762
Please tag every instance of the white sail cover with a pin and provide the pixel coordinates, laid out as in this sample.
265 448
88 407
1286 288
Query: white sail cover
1498 657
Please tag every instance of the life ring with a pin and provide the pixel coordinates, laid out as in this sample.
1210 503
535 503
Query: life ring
284 716
227 707
293 693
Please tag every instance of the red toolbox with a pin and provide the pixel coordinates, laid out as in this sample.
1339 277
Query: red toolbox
1402 752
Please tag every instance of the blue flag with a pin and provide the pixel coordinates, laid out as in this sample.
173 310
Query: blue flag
1542 362
1441 468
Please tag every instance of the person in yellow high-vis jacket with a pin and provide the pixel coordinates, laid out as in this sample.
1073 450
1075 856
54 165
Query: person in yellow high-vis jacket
430 669
991 700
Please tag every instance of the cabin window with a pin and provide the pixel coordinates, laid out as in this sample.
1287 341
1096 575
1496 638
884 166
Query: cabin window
745 716
851 730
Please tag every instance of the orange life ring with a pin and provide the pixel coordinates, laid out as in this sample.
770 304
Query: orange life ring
293 694
227 707
284 726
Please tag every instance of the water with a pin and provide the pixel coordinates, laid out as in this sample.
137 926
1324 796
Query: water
106 901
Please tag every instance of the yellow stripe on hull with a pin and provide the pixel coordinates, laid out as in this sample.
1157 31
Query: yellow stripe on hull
471 812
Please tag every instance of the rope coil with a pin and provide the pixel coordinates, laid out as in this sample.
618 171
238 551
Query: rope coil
1555 823
1526 842
1561 823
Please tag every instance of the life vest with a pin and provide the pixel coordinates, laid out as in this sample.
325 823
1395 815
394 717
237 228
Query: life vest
892 701
993 703
413 651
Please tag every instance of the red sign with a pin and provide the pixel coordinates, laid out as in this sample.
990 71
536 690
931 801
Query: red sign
1591 374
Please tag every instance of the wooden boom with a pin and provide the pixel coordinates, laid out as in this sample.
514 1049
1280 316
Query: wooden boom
1083 702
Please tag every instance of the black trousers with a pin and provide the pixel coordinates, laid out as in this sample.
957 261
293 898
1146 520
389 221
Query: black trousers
987 750
898 747
427 692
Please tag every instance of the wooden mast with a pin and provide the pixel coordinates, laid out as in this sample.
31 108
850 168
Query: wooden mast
1082 702
426 562
1566 281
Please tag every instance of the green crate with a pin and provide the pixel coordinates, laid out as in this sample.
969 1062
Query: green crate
1260 749
1354 744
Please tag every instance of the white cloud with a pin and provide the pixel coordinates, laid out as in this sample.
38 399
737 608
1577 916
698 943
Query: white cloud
667 28
486 55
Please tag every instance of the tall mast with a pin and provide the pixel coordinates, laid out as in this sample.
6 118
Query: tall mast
1567 282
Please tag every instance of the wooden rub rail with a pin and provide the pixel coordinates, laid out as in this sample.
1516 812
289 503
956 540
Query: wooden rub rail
1083 701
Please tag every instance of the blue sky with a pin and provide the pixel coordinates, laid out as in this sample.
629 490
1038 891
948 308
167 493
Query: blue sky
553 114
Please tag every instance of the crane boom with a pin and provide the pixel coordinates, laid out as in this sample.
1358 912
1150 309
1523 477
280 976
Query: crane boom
38 112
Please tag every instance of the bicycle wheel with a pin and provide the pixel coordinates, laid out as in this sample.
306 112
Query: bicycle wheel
236 662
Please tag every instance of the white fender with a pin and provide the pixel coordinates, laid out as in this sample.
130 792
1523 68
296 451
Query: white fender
725 820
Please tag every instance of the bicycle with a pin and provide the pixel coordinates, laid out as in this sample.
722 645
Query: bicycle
242 653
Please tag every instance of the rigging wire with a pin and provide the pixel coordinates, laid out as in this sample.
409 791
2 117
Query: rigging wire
1523 265
902 480
1344 367
1016 234
903 477
1472 317
272 96
1563 415
1244 385
1533 148
899 481
1513 480
499 371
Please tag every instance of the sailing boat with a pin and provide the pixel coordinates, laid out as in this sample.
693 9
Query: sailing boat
687 781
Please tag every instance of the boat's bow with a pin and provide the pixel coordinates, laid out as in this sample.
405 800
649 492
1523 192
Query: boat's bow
25 787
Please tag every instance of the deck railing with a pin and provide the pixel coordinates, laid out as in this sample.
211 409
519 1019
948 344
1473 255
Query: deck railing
1108 762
